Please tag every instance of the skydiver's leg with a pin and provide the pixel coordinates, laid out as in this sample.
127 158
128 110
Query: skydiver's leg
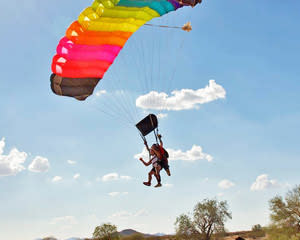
157 175
152 172
167 167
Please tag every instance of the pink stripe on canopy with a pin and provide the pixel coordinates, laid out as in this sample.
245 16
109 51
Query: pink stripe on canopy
72 51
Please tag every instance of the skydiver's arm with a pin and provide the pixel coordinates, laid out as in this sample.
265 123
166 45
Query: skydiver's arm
145 163
160 141
146 145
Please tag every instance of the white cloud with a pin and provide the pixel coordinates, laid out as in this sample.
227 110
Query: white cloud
101 92
263 182
144 154
39 164
121 214
162 115
114 177
110 177
114 194
205 180
12 163
56 179
168 185
226 184
2 145
71 162
181 99
125 178
126 214
66 220
194 154
76 176
141 213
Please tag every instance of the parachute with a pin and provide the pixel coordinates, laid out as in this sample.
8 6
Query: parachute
147 125
94 41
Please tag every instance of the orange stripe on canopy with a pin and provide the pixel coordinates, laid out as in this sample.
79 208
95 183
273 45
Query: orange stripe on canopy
79 35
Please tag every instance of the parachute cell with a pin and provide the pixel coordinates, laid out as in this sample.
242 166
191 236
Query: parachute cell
93 42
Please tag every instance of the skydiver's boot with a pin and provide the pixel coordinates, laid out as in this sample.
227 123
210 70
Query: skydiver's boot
158 180
147 184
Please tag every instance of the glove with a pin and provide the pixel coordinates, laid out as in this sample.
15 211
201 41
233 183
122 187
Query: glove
159 136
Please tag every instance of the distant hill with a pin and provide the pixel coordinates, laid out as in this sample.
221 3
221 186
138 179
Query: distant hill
128 232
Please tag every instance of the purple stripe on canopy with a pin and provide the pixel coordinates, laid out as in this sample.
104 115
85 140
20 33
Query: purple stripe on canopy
175 4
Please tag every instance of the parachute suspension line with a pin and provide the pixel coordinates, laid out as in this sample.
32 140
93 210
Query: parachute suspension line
156 134
119 106
186 27
126 99
155 131
125 103
162 26
117 118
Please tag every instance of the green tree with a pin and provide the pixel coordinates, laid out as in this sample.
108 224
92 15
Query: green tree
185 228
257 231
285 212
209 217
256 228
106 231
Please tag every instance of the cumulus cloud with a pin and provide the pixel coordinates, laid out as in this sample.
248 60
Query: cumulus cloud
101 92
2 145
114 177
226 184
12 163
56 179
71 162
181 99
110 177
141 213
263 182
115 194
194 154
76 176
162 115
121 214
125 177
126 214
66 220
39 164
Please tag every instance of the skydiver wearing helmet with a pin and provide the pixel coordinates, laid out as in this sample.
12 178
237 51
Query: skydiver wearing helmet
154 160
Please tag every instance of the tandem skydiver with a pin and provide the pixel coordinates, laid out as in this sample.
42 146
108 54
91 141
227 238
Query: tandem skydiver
156 166
162 154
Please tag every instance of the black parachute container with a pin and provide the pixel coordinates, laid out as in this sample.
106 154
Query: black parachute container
147 125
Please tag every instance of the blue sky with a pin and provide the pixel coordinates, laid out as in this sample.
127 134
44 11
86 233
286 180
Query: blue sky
250 49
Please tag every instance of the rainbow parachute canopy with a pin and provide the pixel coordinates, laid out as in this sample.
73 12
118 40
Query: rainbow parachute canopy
93 41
